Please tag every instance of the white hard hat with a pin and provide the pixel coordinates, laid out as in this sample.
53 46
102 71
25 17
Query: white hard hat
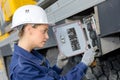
29 14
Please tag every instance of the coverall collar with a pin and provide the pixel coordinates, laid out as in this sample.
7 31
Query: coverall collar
32 56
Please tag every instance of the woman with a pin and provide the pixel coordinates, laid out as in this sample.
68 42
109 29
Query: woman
28 64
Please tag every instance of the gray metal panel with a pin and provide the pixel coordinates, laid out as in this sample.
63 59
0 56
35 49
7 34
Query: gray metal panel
65 8
6 50
109 17
1 22
10 39
45 3
69 41
109 44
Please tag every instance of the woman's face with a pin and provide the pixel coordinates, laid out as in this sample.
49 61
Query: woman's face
39 35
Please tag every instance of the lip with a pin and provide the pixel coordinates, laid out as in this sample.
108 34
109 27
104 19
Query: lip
44 42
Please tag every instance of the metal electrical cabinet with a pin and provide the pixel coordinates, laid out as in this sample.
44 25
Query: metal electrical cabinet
109 17
74 38
70 38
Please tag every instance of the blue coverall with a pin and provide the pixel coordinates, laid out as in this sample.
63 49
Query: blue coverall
33 66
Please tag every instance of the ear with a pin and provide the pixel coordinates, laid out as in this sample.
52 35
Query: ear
28 29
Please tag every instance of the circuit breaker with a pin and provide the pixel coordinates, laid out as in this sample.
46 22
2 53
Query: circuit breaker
70 38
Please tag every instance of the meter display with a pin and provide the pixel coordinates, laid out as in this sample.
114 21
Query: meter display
70 38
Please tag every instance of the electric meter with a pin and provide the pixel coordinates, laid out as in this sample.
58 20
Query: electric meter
70 38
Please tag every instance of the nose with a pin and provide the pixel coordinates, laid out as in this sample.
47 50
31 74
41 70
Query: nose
47 36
